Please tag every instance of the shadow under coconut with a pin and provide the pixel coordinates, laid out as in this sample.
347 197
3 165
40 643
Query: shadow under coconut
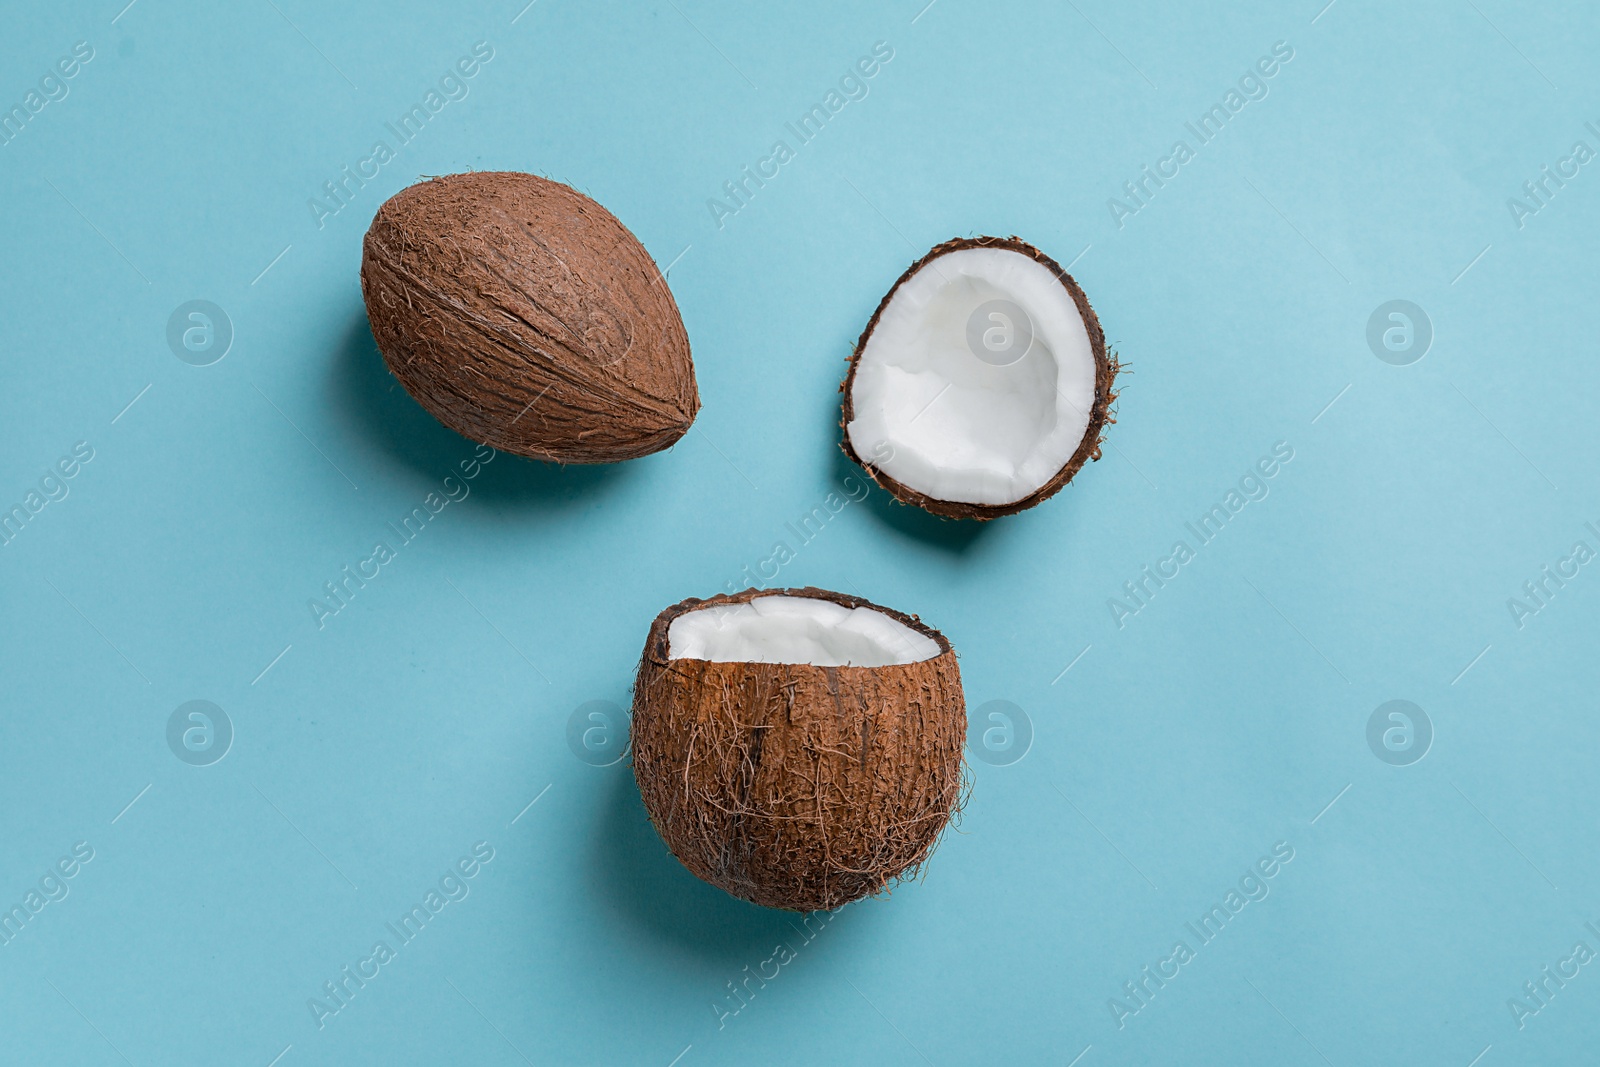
631 868
955 536
405 431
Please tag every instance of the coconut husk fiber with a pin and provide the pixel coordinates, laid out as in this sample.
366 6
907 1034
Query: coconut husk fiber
797 786
523 315
1106 368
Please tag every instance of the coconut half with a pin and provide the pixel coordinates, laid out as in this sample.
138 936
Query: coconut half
525 316
982 384
798 748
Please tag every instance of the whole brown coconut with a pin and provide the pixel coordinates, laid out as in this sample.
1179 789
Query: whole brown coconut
982 383
523 315
794 785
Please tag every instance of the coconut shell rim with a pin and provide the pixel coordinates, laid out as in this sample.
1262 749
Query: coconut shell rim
1106 367
657 642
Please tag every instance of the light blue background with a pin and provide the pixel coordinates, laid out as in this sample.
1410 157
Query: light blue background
424 717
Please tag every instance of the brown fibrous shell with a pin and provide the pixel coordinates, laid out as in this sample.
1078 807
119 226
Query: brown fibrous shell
1106 368
792 785
521 314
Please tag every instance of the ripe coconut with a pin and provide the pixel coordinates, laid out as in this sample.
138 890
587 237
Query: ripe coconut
523 315
982 383
798 748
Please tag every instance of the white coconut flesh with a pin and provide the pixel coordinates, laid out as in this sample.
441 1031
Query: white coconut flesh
790 629
957 425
